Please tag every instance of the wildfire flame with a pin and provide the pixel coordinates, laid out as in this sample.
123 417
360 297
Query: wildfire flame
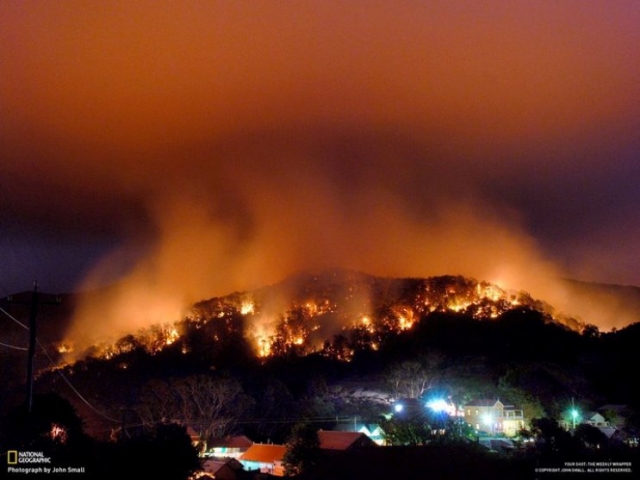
172 336
64 347
319 324
58 433
247 308
265 347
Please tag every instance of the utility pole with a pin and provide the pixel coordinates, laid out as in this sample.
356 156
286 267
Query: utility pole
32 345
33 313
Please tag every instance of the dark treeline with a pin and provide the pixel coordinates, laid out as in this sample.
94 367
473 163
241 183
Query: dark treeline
521 353
522 356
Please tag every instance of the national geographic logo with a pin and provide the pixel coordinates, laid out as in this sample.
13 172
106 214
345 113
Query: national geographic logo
35 464
15 457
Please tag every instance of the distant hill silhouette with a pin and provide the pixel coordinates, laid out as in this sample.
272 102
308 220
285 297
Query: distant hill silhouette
335 312
319 306
287 343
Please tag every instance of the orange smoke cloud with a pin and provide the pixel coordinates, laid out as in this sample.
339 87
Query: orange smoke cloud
223 146
214 239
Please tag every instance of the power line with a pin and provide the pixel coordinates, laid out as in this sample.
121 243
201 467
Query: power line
55 365
13 318
2 344
19 323
32 342
257 421
94 409
74 389
297 420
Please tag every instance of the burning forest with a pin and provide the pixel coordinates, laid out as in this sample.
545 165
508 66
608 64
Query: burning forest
334 313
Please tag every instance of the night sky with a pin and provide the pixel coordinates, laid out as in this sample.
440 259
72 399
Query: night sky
192 149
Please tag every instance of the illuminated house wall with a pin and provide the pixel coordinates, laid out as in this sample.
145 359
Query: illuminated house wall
494 417
266 458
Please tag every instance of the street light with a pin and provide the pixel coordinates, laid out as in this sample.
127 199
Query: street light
574 412
574 416
440 409
438 405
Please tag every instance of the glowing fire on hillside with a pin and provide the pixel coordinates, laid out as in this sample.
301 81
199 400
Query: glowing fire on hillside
246 308
330 319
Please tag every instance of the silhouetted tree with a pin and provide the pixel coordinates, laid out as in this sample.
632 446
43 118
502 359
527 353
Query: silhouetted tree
52 427
551 438
590 436
412 378
403 432
52 420
274 402
164 452
590 331
211 405
303 449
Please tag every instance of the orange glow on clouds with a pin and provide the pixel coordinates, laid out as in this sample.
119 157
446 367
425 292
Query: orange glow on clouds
238 142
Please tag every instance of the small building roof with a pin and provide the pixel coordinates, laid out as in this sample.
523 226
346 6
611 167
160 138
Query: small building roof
490 402
214 466
339 440
233 441
483 402
264 453
608 431
358 427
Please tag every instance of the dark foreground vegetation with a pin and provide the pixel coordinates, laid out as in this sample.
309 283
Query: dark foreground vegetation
129 412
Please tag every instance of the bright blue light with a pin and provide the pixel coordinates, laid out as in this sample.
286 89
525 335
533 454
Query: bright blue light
438 405
398 407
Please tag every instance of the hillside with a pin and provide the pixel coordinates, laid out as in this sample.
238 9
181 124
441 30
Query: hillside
621 301
335 312
306 310
339 344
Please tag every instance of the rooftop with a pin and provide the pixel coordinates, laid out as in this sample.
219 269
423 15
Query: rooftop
340 440
235 441
264 453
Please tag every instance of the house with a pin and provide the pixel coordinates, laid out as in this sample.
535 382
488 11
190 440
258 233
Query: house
494 417
375 433
267 458
230 447
223 469
339 440
608 431
371 430
616 414
595 419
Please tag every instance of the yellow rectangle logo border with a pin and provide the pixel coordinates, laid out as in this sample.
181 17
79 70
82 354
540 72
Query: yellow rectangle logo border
12 457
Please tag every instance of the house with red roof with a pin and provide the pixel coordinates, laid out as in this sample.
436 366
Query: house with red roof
267 458
232 446
340 440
